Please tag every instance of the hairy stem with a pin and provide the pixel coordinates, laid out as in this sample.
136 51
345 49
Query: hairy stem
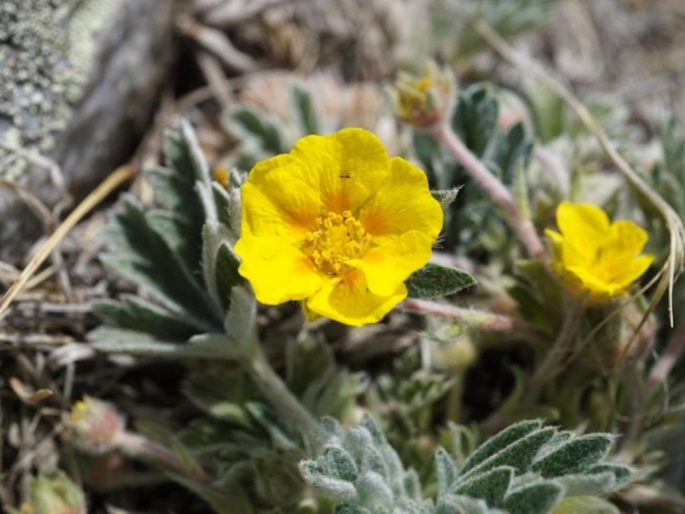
492 186
277 392
562 348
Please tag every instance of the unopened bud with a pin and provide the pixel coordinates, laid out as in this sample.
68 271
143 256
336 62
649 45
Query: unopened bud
55 494
96 425
424 101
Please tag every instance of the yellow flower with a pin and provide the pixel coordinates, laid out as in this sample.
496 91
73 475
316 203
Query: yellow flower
596 257
338 225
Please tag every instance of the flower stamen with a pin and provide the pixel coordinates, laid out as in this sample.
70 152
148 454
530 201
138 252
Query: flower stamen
335 240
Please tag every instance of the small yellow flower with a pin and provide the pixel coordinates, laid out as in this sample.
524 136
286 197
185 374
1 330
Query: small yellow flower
338 225
597 258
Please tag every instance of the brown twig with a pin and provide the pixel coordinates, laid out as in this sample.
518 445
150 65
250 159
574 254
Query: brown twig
113 181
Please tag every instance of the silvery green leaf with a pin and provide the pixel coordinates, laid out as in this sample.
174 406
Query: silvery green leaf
574 456
490 486
536 498
434 280
135 314
519 454
373 490
240 322
260 135
218 344
445 196
446 471
586 505
304 111
588 483
339 464
499 442
350 508
115 340
454 504
334 488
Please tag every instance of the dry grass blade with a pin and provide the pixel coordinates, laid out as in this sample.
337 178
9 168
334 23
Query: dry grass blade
117 178
674 264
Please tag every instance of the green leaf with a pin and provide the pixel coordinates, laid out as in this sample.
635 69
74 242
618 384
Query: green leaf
445 196
304 110
434 280
586 505
143 255
333 488
574 456
499 442
446 471
537 498
490 486
349 508
134 313
519 454
260 135
475 117
339 464
116 340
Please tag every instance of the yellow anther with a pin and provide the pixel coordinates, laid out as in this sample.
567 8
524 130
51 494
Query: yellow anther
335 239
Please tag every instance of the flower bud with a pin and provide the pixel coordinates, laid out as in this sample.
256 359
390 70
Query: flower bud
424 101
95 424
55 494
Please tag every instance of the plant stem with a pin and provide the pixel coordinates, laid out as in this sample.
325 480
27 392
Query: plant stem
663 366
562 348
277 392
494 188
138 446
475 319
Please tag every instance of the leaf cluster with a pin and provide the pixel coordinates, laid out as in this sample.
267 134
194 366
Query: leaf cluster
525 469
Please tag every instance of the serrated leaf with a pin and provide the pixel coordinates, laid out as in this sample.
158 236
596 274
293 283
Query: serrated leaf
537 498
586 505
445 470
240 322
260 135
575 456
144 256
518 454
490 486
305 112
475 117
134 313
500 441
434 280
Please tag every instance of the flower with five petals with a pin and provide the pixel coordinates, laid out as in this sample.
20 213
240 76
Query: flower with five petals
337 225
598 259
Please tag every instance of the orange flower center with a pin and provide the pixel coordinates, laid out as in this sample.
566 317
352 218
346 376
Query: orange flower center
336 239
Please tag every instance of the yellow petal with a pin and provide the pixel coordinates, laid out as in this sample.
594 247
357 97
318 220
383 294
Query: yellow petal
346 168
278 271
625 237
276 201
594 284
348 300
402 204
389 265
584 227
